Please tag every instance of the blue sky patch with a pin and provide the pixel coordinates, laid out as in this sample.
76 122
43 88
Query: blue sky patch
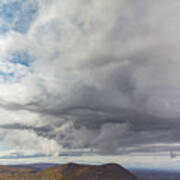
22 58
6 76
17 16
16 66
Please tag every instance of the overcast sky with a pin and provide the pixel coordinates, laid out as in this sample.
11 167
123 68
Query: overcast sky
88 77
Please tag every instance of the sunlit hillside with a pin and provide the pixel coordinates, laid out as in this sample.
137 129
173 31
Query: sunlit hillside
69 171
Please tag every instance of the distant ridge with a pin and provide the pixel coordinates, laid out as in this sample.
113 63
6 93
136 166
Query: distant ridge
36 166
70 171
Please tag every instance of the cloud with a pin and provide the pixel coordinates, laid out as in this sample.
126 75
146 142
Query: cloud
101 75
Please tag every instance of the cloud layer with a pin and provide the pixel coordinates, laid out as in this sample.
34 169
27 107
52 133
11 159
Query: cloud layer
85 74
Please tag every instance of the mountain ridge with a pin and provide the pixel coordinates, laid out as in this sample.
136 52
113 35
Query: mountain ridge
70 171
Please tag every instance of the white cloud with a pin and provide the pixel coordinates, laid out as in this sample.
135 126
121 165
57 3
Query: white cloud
30 143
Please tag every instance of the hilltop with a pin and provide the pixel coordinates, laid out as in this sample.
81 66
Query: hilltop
69 171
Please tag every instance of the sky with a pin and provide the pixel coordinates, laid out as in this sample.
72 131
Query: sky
90 81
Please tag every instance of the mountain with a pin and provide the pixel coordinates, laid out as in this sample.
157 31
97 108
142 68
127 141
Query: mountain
69 171
35 166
